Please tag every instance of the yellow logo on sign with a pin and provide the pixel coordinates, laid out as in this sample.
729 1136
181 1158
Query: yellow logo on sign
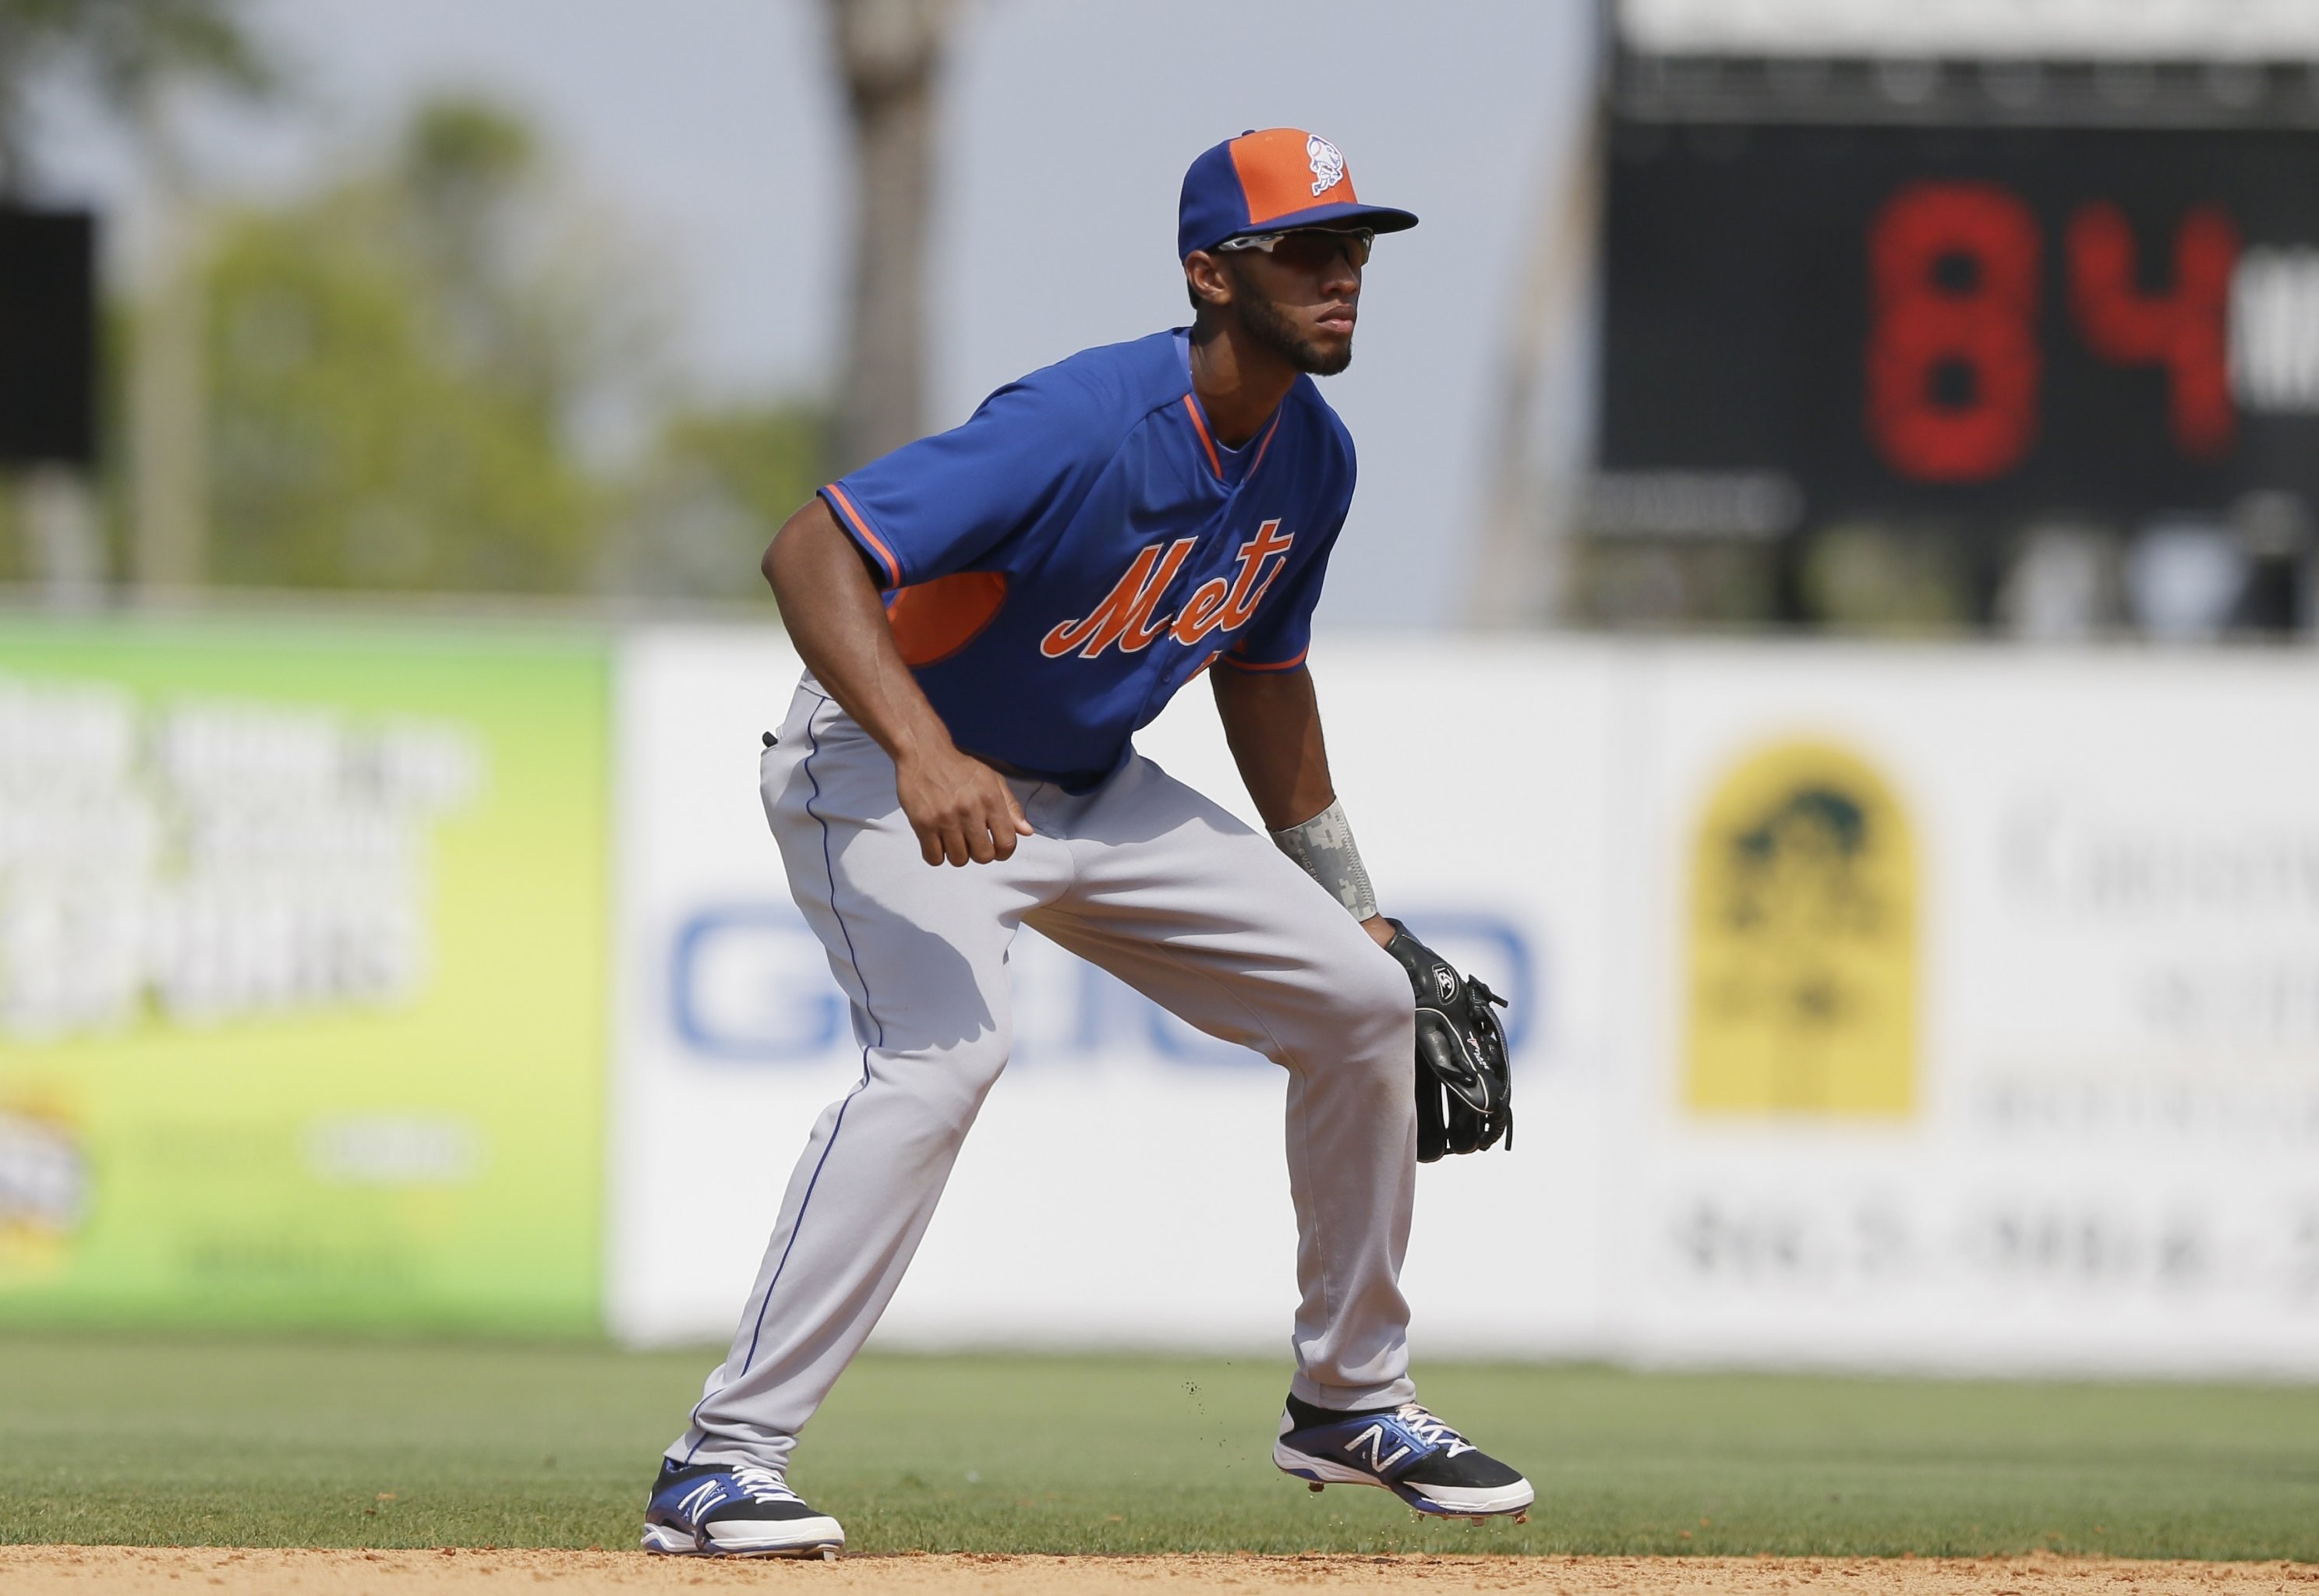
1803 941
44 1191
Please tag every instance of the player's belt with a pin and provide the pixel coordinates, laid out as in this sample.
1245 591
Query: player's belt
1071 782
1075 782
1008 768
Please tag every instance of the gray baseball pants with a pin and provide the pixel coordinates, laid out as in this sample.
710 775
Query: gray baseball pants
1166 891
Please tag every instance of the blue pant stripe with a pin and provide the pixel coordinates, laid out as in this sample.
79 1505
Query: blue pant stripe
878 1027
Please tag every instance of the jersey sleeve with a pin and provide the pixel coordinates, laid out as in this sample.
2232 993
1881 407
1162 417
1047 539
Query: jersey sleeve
1279 637
937 505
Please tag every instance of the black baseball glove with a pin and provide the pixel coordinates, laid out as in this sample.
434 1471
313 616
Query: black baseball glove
1465 1089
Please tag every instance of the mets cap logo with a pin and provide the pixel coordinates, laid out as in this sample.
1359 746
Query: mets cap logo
1328 163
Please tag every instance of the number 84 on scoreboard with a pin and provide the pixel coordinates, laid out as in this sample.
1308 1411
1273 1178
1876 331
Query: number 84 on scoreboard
1954 355
1986 321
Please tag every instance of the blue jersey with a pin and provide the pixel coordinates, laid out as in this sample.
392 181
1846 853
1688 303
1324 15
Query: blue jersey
1081 547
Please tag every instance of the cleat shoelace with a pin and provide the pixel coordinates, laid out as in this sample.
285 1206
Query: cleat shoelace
1432 1431
759 1483
749 1482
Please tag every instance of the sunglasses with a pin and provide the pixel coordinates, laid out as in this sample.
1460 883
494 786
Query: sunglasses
1310 249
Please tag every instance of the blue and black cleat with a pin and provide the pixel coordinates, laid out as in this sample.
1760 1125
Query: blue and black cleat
1406 1451
725 1510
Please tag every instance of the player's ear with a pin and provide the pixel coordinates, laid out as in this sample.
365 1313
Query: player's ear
1205 277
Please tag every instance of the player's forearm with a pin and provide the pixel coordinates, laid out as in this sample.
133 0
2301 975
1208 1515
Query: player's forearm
834 617
1272 723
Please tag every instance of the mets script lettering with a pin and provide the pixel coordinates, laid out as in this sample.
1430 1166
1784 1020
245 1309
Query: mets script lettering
1125 617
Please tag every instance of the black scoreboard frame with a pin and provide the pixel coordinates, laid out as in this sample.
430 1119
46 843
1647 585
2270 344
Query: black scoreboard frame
1736 380
1742 321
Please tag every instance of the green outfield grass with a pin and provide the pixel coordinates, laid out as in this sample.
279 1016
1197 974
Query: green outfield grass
362 1444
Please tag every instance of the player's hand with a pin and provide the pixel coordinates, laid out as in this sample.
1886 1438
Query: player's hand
961 809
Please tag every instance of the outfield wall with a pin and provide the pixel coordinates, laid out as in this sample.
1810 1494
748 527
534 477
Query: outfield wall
1936 1007
1939 1007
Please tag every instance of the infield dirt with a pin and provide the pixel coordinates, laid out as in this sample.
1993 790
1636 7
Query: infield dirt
86 1570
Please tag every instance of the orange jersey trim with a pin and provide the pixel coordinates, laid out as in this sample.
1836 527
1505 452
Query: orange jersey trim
861 530
1264 445
1200 426
933 620
1241 664
1216 461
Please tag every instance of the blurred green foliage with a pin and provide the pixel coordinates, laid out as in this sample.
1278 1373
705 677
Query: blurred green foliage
443 372
698 515
388 398
122 51
440 368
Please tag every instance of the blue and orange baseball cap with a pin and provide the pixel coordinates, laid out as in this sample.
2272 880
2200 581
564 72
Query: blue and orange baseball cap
1269 182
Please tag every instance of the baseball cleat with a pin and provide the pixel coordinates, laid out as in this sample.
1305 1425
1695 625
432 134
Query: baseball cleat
1406 1451
724 1510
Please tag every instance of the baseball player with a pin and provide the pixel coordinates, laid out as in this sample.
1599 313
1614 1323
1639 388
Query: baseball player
987 618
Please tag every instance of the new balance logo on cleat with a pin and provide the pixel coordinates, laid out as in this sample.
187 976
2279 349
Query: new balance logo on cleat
720 1509
1374 1438
1406 1451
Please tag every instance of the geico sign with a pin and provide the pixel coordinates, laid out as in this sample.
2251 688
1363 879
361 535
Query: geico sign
748 983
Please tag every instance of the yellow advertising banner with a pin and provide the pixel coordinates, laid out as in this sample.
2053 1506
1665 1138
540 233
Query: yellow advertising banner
302 974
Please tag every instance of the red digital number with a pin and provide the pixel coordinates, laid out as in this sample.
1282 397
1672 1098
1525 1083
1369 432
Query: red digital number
2183 330
1953 272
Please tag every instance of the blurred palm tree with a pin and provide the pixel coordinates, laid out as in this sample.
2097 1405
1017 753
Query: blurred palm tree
890 55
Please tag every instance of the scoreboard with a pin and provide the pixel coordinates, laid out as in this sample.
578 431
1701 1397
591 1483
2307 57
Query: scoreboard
1959 266
1978 323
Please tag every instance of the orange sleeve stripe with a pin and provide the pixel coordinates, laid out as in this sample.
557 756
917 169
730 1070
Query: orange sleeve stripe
1241 664
861 530
1200 426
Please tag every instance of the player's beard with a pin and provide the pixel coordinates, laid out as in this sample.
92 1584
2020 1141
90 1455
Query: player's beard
1270 326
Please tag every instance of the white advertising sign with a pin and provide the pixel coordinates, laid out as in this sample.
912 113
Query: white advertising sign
1978 1012
1125 1184
1936 1007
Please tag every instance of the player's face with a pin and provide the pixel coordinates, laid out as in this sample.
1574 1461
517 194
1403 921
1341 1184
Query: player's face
1301 301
